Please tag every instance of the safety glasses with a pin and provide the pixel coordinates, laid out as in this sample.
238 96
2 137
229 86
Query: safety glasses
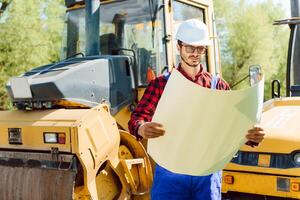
191 49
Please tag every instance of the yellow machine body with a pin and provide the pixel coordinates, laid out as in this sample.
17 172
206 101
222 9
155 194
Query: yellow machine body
112 163
269 170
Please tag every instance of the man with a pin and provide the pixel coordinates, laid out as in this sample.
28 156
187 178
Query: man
193 39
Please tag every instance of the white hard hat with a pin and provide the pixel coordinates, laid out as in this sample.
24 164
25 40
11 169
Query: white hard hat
193 32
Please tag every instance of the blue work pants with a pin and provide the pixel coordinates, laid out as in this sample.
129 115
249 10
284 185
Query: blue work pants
171 186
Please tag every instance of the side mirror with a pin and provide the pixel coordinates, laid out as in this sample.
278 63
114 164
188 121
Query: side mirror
255 74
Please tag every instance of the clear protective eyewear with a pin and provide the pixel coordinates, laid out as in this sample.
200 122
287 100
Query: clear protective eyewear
191 49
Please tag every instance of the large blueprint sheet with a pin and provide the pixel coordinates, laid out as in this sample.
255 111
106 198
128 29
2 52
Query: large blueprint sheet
204 127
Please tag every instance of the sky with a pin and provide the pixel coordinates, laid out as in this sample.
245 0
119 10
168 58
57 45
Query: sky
284 3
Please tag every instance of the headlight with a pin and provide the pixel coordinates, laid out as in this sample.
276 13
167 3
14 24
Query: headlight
297 159
50 137
59 138
14 136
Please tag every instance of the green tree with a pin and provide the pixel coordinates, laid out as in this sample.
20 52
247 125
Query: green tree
30 35
248 37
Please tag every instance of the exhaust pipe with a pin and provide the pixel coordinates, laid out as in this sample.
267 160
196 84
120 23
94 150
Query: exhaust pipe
295 8
92 19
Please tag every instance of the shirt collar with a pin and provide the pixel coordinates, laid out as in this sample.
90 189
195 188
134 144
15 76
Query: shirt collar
181 70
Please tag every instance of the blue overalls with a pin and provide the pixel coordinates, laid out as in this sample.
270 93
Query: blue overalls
171 186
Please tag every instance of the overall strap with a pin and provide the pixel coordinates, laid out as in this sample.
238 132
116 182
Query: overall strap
214 81
167 75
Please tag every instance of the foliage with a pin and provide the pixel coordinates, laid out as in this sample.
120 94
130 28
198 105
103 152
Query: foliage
248 37
30 36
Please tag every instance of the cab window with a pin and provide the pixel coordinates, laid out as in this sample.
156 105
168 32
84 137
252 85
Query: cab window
133 25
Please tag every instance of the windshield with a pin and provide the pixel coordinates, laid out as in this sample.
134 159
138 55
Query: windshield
132 24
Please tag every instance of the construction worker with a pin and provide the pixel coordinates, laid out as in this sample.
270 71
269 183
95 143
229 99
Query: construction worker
192 41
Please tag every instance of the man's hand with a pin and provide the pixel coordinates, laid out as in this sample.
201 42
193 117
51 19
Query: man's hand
151 130
256 134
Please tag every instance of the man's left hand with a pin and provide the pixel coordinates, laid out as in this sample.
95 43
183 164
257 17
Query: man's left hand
256 134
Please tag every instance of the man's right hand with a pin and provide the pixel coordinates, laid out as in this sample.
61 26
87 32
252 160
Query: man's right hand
151 130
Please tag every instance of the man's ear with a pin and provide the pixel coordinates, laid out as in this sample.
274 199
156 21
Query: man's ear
178 47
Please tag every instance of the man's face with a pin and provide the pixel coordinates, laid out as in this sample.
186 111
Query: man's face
191 55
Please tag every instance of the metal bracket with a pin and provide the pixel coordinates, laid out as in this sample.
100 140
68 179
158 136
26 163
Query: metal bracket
54 153
167 38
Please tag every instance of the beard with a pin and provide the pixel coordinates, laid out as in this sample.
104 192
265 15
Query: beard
192 61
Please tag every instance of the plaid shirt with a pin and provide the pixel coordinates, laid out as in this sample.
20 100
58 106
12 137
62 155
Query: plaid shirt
147 105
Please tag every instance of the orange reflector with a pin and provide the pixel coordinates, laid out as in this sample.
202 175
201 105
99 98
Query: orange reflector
61 138
264 160
229 179
295 187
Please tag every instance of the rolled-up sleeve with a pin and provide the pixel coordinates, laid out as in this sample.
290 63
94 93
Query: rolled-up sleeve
146 107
